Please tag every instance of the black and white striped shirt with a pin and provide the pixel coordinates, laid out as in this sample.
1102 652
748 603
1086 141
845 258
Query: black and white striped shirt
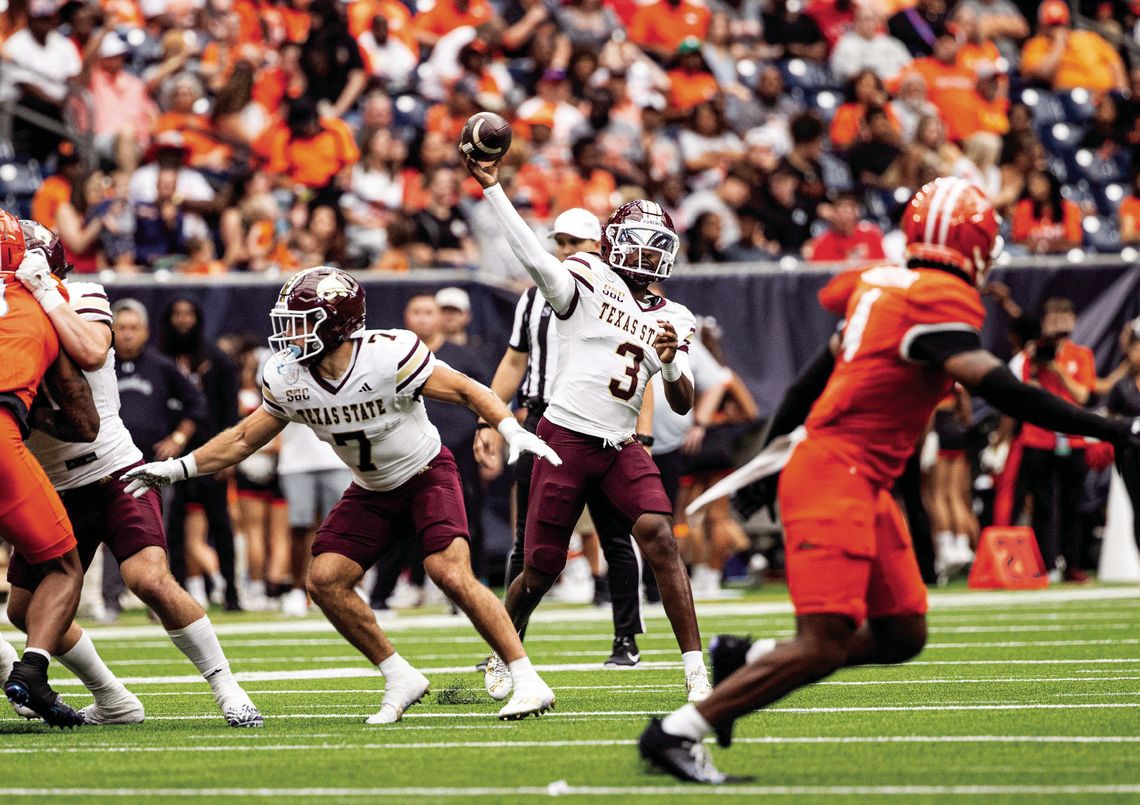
534 333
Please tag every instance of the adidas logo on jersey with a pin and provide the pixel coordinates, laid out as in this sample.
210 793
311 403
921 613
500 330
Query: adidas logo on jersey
365 387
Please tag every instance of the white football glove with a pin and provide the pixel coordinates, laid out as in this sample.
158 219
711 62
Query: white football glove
35 274
158 474
521 440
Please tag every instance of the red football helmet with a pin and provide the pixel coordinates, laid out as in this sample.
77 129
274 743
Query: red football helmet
38 236
640 242
12 245
320 308
951 222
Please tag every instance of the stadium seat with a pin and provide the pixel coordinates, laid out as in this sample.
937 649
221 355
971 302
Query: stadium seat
808 76
1046 108
825 102
1101 234
1061 139
1107 198
1077 105
1086 165
836 174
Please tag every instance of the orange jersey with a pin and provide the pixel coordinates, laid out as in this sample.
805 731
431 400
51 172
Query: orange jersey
877 403
29 341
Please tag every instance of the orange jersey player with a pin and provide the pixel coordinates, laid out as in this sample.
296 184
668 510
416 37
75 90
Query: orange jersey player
32 517
909 334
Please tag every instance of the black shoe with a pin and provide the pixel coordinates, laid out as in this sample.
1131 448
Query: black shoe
625 653
728 654
602 591
481 666
685 759
232 604
28 687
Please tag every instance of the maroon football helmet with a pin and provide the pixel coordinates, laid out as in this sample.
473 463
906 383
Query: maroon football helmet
320 308
640 242
38 236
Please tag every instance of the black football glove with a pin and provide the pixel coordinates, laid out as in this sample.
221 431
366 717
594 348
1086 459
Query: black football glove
756 496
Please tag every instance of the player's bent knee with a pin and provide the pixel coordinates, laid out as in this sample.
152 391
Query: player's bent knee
538 581
18 614
901 639
450 577
547 561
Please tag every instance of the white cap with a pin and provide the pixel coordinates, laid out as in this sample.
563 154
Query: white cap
577 223
453 297
112 46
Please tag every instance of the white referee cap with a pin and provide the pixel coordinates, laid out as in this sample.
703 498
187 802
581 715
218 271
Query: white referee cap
577 223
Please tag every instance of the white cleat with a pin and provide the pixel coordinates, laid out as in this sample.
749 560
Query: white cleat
697 684
497 679
295 604
399 696
8 657
242 713
124 709
533 700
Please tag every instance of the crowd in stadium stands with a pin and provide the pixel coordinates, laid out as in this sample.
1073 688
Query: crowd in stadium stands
222 135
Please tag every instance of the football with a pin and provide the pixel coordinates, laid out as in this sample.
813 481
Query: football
486 137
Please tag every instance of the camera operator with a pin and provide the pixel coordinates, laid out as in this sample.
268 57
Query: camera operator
1124 399
1053 465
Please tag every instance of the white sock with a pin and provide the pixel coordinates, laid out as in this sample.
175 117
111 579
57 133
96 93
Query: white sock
257 589
218 582
200 645
84 661
686 723
962 543
394 667
196 586
694 661
522 672
759 649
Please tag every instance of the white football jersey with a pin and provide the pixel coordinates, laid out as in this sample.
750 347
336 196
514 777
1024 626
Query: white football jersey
72 464
373 416
605 351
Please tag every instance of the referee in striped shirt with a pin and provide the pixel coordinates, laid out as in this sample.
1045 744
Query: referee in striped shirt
527 369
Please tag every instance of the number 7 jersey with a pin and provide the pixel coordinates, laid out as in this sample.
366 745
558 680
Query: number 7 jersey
879 398
372 416
605 351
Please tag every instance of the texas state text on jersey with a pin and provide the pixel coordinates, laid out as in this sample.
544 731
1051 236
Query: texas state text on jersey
372 416
879 398
606 353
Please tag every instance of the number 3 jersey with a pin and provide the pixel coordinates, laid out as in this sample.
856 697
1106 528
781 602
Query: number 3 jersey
372 416
605 351
885 385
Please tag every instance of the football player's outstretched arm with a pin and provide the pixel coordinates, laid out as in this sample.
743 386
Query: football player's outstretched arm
229 447
76 419
87 342
447 385
553 279
985 375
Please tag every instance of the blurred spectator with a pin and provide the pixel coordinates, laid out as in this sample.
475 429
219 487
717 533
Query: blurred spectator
1026 154
911 104
1044 222
388 59
1130 212
124 113
875 149
585 182
784 217
978 163
376 190
443 237
950 87
326 226
161 225
311 151
691 82
57 189
1107 136
79 227
708 147
834 18
331 60
864 91
847 238
999 21
976 48
724 199
917 27
868 47
1053 464
119 224
992 111
553 98
771 105
398 257
1063 58
929 156
1124 400
184 100
169 152
586 23
703 236
660 27
786 25
444 16
40 64
201 258
804 160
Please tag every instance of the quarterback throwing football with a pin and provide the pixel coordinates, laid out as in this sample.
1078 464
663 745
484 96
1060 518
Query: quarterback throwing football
361 392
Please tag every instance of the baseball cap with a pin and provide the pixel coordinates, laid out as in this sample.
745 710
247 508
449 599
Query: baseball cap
42 8
690 44
453 297
1053 12
134 306
112 46
577 223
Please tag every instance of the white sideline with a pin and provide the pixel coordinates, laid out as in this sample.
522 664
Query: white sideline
938 601
562 744
562 788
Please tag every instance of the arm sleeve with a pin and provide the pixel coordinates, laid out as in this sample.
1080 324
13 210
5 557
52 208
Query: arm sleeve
554 280
937 346
801 395
1032 404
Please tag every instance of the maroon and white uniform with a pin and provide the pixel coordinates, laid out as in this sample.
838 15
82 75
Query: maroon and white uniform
86 475
375 420
606 359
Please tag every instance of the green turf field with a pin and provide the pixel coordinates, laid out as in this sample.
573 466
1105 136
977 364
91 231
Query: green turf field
1018 697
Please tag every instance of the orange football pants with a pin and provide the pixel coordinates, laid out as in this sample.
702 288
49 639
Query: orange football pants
32 517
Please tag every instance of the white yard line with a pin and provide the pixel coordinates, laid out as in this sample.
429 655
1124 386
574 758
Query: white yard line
561 788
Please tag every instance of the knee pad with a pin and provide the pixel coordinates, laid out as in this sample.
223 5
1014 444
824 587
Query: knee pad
547 559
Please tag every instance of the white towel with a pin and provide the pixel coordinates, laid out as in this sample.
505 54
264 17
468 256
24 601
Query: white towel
767 462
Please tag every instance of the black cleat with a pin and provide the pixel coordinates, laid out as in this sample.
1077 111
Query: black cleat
625 653
28 687
685 759
482 664
728 653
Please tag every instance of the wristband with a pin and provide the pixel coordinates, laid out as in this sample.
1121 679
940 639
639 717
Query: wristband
482 425
509 427
50 300
188 464
670 372
644 439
